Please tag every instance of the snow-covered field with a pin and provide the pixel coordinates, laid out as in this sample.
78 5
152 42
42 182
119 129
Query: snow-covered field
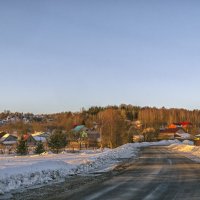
23 171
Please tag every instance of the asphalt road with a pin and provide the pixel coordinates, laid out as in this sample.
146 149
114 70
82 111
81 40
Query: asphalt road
158 174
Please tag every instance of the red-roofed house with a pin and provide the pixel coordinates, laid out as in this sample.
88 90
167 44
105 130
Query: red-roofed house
184 124
29 139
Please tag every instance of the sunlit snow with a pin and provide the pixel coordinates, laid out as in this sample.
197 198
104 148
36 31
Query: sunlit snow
24 171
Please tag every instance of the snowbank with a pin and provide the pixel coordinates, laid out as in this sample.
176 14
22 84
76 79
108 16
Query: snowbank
24 171
189 150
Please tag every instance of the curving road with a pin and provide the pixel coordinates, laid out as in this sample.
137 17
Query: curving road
158 174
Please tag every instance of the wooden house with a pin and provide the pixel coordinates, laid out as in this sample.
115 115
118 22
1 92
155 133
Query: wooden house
7 143
8 139
170 133
94 138
29 140
85 137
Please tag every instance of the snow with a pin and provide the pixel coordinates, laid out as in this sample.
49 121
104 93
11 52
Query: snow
184 135
9 142
37 134
23 171
38 138
188 142
4 137
188 149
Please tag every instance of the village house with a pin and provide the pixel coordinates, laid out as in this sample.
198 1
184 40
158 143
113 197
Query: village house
185 125
42 134
41 137
86 137
93 138
29 139
196 139
173 133
7 142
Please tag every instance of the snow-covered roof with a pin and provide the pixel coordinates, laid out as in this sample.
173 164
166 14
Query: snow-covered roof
183 135
37 134
4 137
9 142
41 134
42 139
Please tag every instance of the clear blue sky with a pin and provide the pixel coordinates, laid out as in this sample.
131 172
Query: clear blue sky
63 55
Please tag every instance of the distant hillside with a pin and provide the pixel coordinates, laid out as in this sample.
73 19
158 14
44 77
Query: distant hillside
149 117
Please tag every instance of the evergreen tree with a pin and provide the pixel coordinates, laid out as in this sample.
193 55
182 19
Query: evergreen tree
57 141
39 148
22 147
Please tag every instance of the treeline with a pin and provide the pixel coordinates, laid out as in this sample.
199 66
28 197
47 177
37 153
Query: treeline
152 116
115 123
157 117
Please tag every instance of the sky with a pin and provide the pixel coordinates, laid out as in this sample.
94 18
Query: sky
58 56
